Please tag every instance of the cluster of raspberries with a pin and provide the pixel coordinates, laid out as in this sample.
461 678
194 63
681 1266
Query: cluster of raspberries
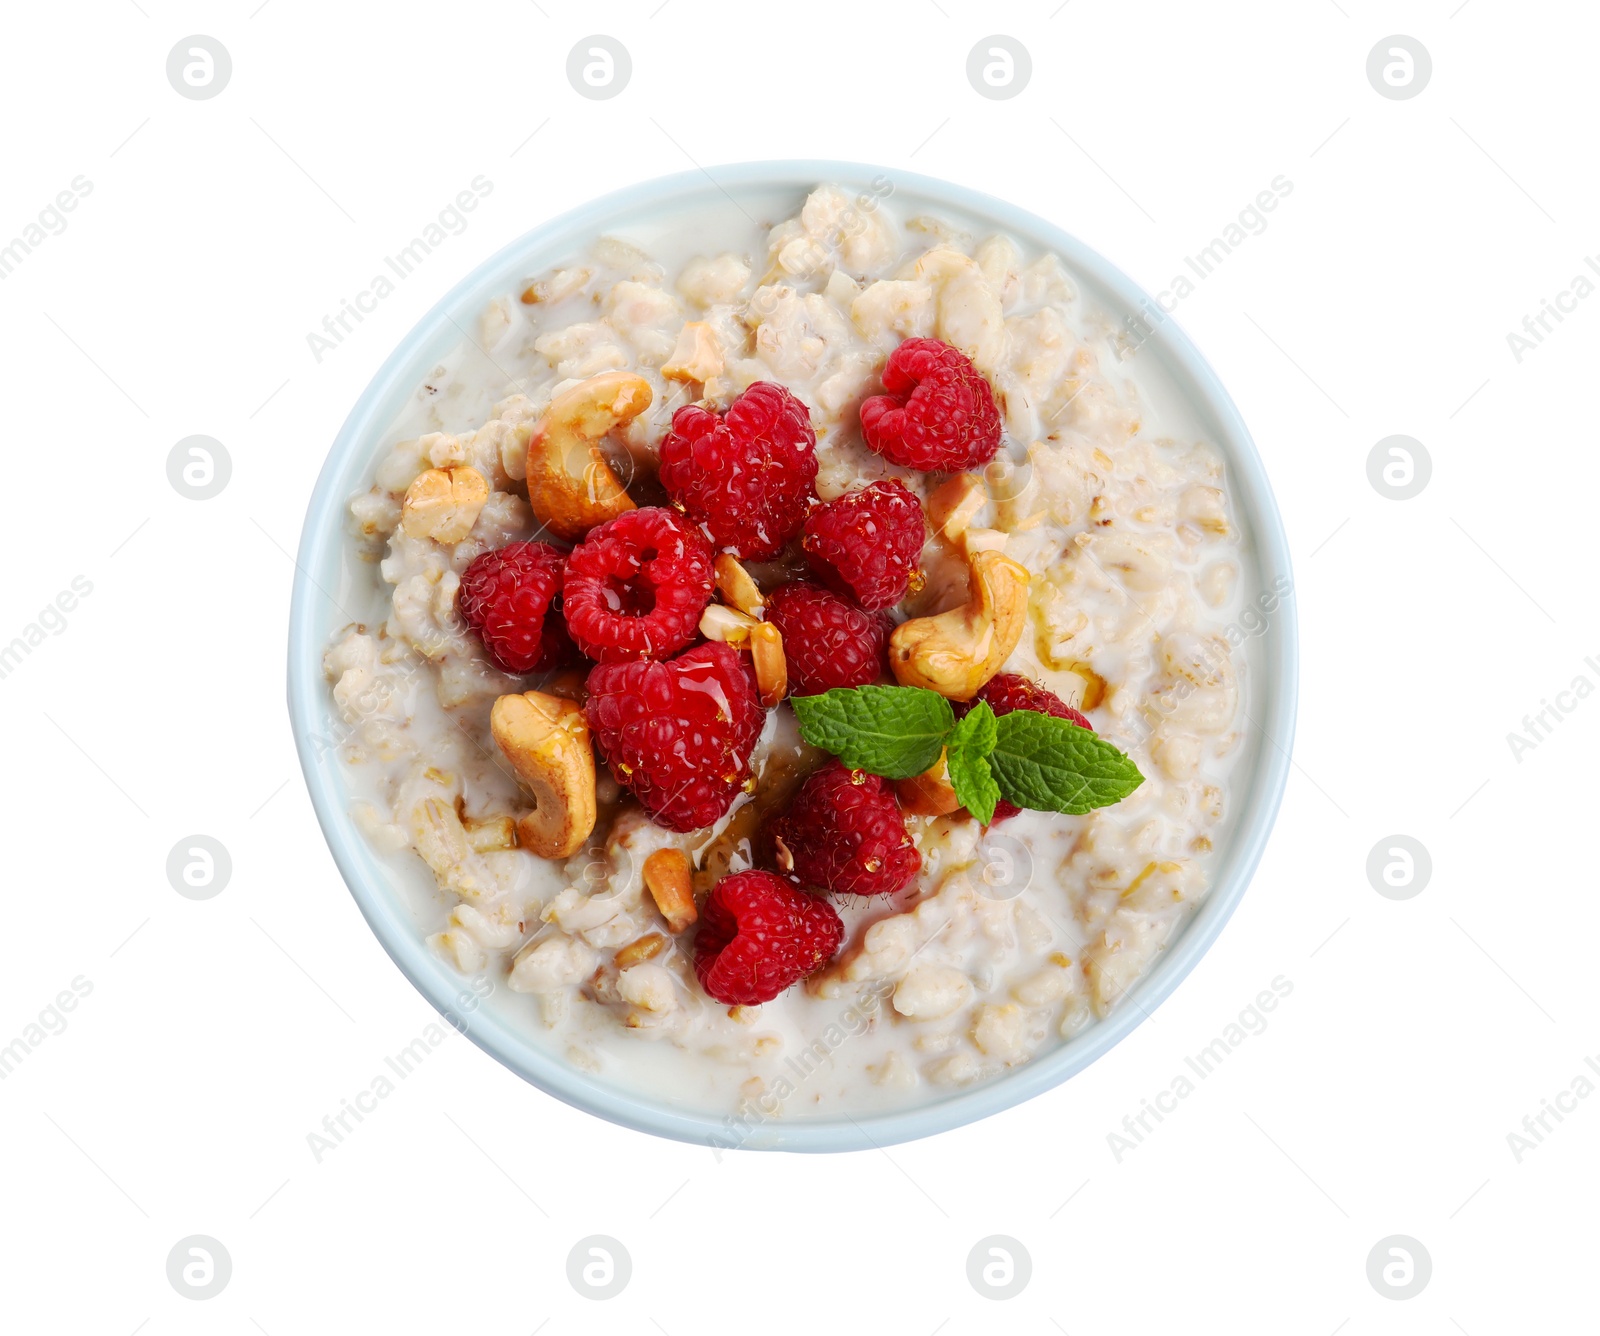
677 721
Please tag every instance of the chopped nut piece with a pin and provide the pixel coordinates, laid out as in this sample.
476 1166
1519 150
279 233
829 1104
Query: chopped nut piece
443 504
930 793
727 625
666 876
983 540
697 356
547 742
954 505
772 669
651 945
738 590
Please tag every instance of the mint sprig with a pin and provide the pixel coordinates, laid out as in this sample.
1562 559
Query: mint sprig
1052 765
967 752
895 732
1030 759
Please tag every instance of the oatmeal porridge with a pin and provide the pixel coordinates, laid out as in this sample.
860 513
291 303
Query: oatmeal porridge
879 464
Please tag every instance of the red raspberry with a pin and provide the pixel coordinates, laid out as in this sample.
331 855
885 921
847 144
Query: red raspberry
758 935
511 597
748 476
866 544
827 641
678 734
938 413
1006 692
843 831
636 586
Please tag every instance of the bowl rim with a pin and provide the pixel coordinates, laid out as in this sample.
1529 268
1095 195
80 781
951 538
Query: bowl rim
320 549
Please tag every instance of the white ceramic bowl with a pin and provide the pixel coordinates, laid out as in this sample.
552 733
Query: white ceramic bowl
773 190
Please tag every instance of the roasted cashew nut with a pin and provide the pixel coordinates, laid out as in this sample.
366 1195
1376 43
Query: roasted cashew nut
570 486
956 652
546 739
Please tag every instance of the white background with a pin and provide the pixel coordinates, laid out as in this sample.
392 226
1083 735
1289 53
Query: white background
218 1034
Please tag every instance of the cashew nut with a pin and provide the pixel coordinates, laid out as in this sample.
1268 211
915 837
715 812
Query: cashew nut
930 793
956 652
570 486
443 504
666 876
738 590
546 739
697 356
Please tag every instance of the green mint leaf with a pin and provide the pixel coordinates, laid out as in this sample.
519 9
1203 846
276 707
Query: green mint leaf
973 782
896 732
976 732
1052 765
966 758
